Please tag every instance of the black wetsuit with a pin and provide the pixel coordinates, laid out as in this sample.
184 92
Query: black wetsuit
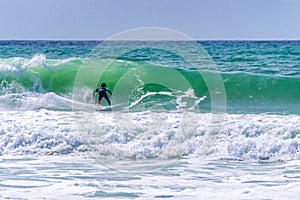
102 93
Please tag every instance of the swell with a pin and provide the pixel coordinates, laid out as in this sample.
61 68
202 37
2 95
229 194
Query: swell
143 84
257 93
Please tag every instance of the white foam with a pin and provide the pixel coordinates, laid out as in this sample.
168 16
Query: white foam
37 132
148 134
7 68
19 64
147 95
184 100
11 64
242 137
36 60
262 137
34 101
189 94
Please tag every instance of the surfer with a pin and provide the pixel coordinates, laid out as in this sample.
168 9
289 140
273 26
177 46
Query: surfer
102 93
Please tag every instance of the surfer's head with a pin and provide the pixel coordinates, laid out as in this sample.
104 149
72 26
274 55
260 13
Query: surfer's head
103 84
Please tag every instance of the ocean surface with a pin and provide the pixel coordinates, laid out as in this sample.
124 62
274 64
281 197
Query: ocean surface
189 120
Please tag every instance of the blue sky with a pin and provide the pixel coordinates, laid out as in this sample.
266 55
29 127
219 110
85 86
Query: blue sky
100 19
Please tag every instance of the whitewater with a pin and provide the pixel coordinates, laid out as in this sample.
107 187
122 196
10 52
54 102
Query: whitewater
229 130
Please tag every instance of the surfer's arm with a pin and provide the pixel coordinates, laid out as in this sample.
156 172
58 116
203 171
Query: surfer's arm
108 90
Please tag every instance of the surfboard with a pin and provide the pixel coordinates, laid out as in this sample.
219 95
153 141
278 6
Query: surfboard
107 108
103 108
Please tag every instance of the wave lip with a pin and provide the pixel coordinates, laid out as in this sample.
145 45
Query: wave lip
20 64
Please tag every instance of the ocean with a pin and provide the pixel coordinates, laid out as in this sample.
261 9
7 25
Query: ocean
189 120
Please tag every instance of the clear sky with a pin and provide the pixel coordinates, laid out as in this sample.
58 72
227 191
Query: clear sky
100 19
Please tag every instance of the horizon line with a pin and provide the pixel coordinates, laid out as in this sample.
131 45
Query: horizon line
149 40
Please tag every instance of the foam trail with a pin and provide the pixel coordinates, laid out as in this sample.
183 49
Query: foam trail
147 95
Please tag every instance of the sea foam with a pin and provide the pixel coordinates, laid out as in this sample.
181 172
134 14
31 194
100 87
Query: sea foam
147 134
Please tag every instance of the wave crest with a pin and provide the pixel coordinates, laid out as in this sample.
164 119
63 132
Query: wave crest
19 64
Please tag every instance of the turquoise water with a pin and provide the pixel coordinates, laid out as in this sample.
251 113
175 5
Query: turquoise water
258 76
212 119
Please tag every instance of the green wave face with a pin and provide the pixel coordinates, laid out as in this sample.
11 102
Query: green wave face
141 86
137 84
43 79
159 86
262 93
